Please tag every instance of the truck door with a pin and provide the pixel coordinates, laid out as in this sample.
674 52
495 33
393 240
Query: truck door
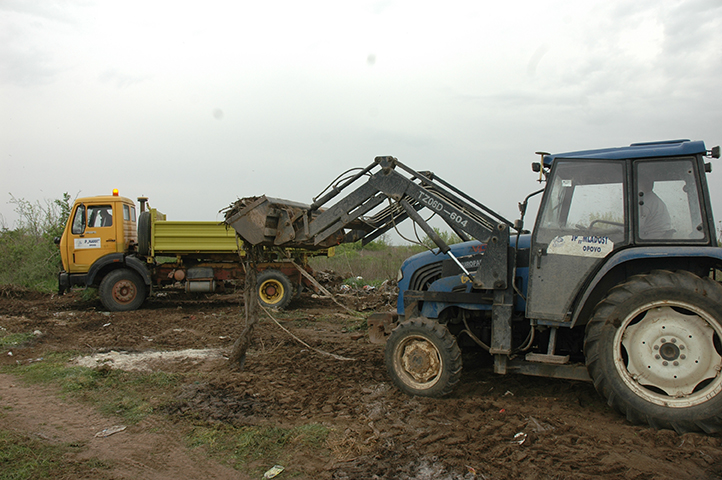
91 236
581 220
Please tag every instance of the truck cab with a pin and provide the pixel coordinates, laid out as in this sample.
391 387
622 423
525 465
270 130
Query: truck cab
97 227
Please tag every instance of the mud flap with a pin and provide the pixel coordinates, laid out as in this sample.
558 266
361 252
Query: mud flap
381 325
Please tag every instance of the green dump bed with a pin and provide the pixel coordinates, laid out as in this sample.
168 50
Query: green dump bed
184 237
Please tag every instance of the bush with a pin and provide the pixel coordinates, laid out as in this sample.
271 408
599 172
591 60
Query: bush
28 256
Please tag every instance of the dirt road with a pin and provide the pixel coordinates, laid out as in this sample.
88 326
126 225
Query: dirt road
492 427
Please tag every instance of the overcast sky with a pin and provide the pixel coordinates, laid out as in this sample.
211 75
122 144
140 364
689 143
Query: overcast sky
195 104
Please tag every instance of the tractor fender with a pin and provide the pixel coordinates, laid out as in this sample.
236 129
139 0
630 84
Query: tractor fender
113 261
661 256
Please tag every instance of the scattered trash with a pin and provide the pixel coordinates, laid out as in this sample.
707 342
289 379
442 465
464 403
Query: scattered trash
368 288
344 288
471 470
538 426
110 431
519 438
106 324
502 410
105 314
274 471
10 354
508 392
37 333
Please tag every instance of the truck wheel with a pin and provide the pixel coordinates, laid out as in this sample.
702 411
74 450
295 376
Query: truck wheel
274 289
423 358
122 290
654 351
144 233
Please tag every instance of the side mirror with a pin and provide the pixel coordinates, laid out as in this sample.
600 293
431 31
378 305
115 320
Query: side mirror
536 167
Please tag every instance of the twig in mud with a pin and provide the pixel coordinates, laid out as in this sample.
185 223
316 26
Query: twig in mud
332 355
250 300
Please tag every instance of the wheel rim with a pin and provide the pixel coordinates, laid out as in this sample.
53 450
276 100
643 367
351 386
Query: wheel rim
271 292
665 352
419 362
124 291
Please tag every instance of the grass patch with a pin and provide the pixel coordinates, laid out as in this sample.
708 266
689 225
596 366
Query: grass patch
256 448
23 457
12 340
130 395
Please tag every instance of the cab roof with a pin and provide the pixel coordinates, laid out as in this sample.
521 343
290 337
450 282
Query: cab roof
104 199
667 148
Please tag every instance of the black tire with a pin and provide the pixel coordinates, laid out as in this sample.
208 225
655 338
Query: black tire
423 358
274 289
122 290
144 233
653 348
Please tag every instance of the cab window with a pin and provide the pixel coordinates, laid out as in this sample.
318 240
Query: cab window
79 221
668 205
128 213
100 216
584 198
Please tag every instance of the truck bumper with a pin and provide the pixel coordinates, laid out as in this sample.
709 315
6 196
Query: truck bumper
67 280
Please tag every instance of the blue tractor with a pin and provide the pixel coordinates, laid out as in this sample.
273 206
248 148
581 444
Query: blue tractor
616 283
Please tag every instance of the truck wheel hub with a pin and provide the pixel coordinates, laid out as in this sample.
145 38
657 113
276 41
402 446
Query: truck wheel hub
124 291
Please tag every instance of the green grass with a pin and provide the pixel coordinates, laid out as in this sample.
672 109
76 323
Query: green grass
262 445
13 340
129 395
23 457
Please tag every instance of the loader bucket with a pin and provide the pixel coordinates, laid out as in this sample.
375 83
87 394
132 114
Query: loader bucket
263 220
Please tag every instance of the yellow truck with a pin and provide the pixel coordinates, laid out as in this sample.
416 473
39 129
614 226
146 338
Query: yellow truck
104 245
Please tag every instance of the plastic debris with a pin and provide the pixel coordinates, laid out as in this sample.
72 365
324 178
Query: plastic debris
106 324
519 438
508 393
274 471
110 431
10 354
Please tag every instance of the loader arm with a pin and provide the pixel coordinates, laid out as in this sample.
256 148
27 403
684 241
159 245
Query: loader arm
275 222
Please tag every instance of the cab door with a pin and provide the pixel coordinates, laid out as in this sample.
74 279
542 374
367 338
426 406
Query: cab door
92 235
582 219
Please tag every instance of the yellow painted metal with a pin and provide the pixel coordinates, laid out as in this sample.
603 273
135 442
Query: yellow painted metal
178 237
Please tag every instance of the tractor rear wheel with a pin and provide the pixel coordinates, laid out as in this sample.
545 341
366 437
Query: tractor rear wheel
654 350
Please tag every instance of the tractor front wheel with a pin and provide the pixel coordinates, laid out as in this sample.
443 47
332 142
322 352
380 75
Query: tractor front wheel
423 358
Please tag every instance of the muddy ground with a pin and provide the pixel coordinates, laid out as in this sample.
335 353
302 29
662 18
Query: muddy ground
376 431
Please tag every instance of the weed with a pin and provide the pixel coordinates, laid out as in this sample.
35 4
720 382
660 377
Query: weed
131 395
14 339
25 458
241 446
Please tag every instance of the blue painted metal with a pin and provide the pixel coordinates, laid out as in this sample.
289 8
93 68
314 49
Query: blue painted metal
448 284
667 148
645 253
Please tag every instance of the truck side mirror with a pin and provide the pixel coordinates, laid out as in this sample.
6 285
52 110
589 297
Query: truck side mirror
536 167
